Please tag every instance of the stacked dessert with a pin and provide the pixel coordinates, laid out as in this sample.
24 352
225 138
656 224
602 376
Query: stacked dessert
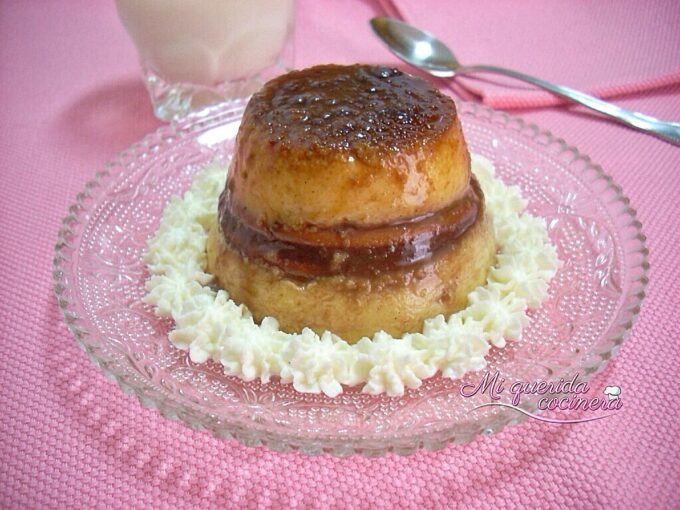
350 206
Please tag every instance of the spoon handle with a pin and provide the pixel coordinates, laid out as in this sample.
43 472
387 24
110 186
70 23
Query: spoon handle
669 131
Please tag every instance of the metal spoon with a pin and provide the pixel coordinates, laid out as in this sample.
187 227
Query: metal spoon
425 51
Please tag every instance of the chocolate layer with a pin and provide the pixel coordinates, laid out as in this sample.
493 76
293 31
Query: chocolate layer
350 249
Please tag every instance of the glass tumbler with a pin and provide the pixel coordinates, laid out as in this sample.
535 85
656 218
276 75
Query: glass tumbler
198 52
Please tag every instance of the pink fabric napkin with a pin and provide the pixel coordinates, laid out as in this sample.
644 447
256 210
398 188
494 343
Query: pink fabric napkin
607 48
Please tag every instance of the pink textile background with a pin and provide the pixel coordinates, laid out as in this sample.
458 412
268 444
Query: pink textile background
70 97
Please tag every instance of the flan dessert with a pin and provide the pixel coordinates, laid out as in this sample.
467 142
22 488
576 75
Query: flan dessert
350 206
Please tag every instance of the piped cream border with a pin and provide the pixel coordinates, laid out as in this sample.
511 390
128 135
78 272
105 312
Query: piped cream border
210 325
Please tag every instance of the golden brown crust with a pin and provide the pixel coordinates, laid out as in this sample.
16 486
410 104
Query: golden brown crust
370 111
403 156
353 307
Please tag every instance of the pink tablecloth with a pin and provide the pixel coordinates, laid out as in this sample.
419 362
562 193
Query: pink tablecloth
70 97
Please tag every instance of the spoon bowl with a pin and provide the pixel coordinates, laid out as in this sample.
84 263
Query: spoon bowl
416 47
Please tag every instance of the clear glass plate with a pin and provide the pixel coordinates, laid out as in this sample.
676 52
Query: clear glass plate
99 283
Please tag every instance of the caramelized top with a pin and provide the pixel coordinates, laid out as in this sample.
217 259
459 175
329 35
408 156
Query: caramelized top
334 108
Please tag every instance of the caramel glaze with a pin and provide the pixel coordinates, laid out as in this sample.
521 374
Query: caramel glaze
351 250
335 109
